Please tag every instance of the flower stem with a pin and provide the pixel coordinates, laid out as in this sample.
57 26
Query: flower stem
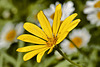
1 60
74 45
57 48
8 58
19 57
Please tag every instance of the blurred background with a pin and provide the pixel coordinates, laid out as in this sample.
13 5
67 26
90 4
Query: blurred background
14 13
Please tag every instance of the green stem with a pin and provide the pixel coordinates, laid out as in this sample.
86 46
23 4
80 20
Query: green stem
1 60
74 45
19 58
57 48
9 58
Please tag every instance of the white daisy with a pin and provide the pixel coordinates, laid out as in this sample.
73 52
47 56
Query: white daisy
67 9
79 36
9 34
94 18
92 6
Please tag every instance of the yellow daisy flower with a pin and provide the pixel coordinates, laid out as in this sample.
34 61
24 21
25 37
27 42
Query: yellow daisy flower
49 37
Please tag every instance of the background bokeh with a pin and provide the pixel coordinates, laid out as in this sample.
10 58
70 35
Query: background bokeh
21 11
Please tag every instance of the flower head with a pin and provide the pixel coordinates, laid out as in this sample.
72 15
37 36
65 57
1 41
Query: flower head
92 6
67 9
80 37
94 18
49 37
93 12
9 34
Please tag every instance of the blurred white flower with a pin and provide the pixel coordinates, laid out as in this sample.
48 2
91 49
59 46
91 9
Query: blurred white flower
92 6
58 56
67 9
6 14
80 37
94 18
93 11
9 34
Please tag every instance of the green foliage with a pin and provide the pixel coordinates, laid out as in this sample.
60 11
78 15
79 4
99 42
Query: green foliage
26 10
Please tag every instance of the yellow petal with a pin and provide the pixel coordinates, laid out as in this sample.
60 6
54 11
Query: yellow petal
51 49
31 39
40 55
31 54
30 48
62 37
44 24
66 23
32 28
73 24
57 17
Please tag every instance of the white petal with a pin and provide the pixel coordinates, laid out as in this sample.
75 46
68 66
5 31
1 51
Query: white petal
67 9
65 47
19 28
4 45
8 26
48 12
51 21
90 3
90 7
89 10
92 18
57 3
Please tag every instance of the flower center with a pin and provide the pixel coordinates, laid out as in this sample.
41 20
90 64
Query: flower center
11 35
51 41
77 41
98 15
52 16
97 4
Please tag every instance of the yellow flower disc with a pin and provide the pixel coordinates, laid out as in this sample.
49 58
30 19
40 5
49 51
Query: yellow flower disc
11 35
77 41
97 4
98 15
